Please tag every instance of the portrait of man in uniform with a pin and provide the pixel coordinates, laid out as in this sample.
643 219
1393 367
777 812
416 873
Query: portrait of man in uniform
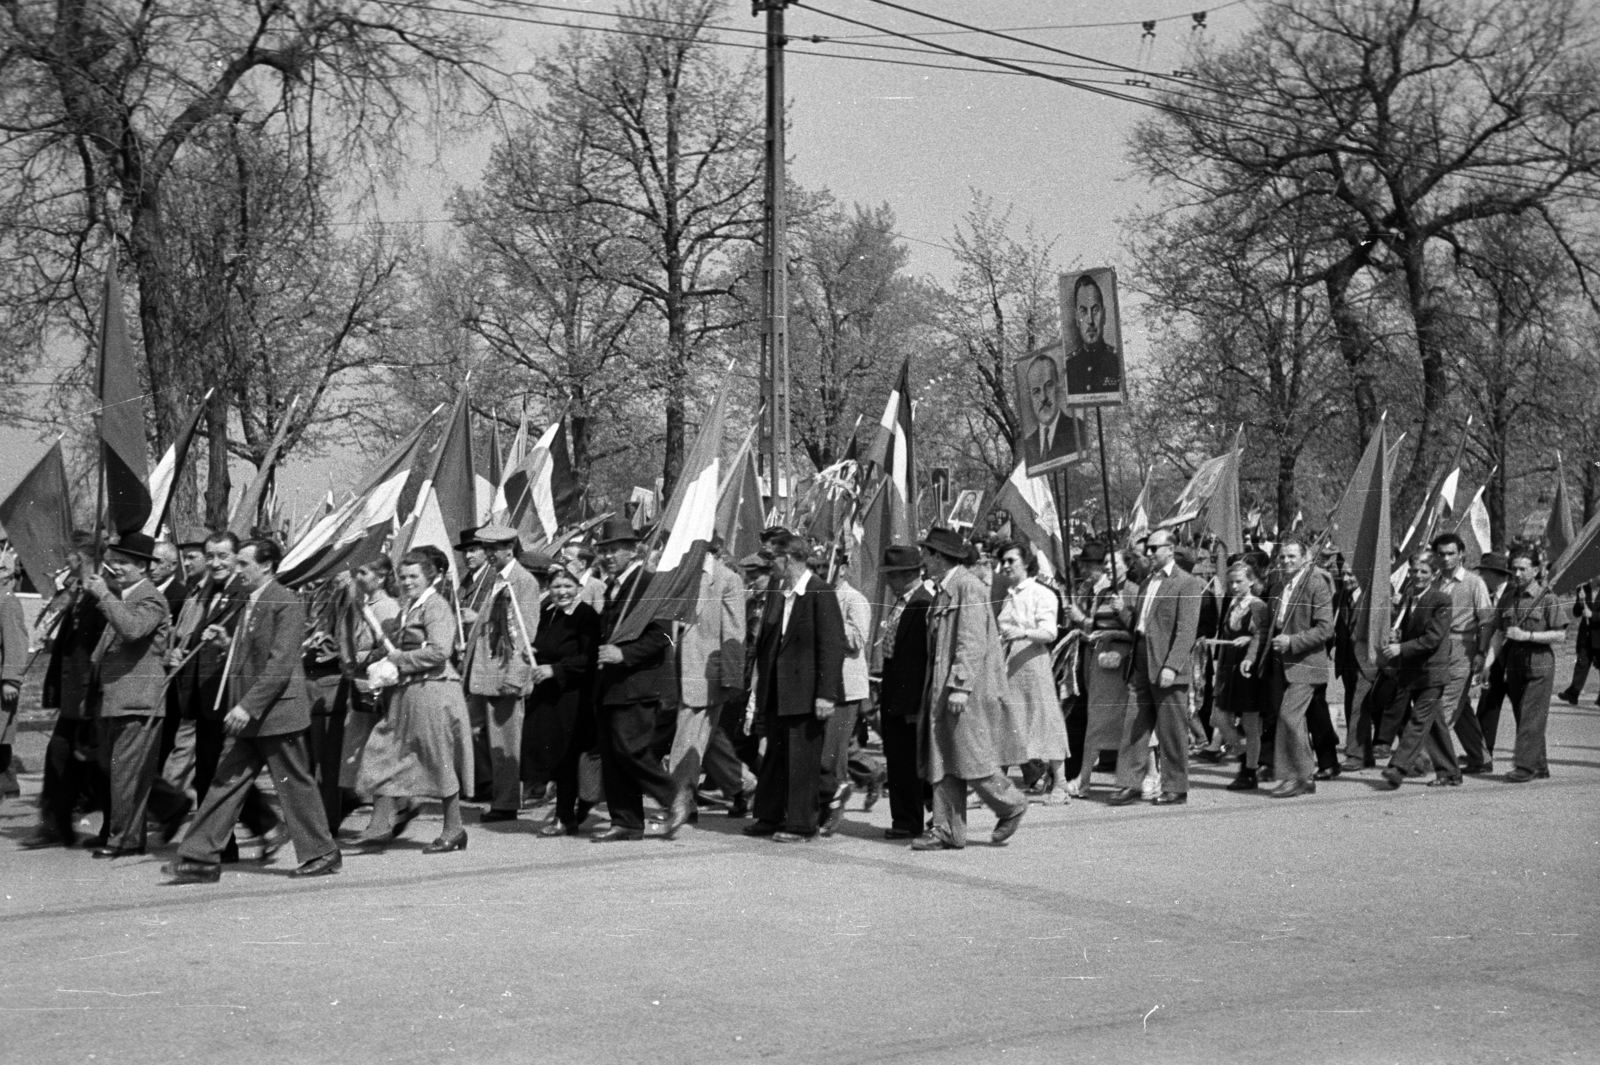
1093 334
1051 435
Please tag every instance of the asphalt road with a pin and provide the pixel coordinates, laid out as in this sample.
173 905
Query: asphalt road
1425 925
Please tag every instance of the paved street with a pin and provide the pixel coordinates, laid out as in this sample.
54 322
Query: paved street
1352 926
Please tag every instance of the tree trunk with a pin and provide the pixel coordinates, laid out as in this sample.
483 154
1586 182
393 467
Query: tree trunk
1356 349
218 484
1425 317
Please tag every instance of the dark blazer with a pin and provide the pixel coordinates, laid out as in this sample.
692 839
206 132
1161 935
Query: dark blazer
267 676
1424 659
646 672
197 682
175 593
905 673
1173 625
566 643
1308 624
804 663
66 678
132 652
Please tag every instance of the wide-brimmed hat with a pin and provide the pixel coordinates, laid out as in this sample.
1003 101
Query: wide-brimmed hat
190 536
948 543
899 557
469 538
616 531
135 545
1495 562
496 534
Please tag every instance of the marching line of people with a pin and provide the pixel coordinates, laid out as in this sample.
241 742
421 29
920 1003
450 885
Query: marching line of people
179 671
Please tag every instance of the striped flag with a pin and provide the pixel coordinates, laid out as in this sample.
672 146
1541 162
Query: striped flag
1139 519
1474 528
1033 516
170 468
675 585
893 452
739 505
512 480
446 501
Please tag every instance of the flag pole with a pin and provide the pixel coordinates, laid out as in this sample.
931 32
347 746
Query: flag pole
1063 514
1105 478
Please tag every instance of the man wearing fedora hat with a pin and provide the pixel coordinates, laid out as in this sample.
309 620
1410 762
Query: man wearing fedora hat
902 683
636 677
129 663
501 625
965 681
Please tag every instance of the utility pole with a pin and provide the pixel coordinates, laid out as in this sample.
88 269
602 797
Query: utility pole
777 441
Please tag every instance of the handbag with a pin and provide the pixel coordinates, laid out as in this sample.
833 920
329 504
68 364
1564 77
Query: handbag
1109 659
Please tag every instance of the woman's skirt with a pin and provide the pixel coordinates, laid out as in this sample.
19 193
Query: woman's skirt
1032 725
422 746
1105 699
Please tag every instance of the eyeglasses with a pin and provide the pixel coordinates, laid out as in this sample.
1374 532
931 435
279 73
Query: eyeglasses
1151 549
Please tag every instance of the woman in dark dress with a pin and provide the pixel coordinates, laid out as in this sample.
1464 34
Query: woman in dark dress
1240 643
560 719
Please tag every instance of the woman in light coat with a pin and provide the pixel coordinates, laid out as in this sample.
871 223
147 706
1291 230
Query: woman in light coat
1028 625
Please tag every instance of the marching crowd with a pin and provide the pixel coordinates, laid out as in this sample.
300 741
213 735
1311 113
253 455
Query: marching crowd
179 671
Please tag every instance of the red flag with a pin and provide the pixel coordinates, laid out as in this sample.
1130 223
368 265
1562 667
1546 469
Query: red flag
1361 529
37 517
122 444
1558 529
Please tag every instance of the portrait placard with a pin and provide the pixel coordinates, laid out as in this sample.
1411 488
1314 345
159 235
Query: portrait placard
1091 327
1052 435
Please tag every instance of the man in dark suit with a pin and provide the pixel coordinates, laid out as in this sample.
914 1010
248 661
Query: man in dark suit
128 699
1421 647
267 723
798 683
1302 626
902 682
636 676
1054 435
1165 620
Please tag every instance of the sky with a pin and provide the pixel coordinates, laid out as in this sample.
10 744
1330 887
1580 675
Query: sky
925 141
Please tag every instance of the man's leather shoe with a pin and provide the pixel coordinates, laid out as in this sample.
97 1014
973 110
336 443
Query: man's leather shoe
1445 782
118 852
1568 696
1290 789
185 871
489 817
930 842
556 828
1327 773
678 816
1482 769
761 828
899 833
92 843
1352 765
1245 781
1006 827
1392 777
1171 798
1519 775
786 836
1264 774
323 865
616 835
1123 797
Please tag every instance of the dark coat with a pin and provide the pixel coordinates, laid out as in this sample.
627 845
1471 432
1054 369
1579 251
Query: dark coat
646 673
175 593
66 678
566 643
1424 658
799 665
267 677
902 689
1173 625
198 681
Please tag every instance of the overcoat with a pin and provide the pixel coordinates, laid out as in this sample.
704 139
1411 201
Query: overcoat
964 655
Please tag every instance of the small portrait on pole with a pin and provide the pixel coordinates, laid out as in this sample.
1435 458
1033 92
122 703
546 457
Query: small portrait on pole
1052 436
1092 329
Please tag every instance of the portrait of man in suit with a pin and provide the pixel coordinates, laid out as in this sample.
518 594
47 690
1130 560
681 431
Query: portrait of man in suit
1093 329
1050 434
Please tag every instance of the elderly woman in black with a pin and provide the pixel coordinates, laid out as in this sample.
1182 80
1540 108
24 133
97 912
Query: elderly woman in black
560 719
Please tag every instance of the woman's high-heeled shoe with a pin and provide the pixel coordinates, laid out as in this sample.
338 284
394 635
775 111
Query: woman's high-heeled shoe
445 844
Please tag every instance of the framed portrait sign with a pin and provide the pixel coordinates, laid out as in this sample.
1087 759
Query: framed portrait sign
1091 329
1053 436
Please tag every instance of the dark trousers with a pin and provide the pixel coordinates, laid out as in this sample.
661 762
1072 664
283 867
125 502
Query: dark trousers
786 791
1582 658
570 809
68 776
328 710
1530 676
129 748
629 766
210 740
1427 728
1490 702
907 792
1324 737
288 759
1076 709
1164 710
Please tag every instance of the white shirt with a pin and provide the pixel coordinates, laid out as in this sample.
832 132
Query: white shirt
790 595
1288 594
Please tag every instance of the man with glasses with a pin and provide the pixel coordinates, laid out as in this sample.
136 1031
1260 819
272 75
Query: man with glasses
1165 620
1471 629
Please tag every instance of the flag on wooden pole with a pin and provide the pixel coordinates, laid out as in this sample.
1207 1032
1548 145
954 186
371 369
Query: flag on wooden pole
893 452
37 517
1361 530
164 478
1558 528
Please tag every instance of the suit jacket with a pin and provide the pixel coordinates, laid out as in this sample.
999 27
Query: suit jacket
1424 659
646 672
857 613
67 677
805 662
903 685
1308 622
197 682
267 676
132 652
1172 626
175 593
711 643
13 638
499 658
1062 443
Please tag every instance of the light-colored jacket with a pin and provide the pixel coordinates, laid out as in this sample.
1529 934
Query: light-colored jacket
711 643
964 655
857 639
501 663
132 652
